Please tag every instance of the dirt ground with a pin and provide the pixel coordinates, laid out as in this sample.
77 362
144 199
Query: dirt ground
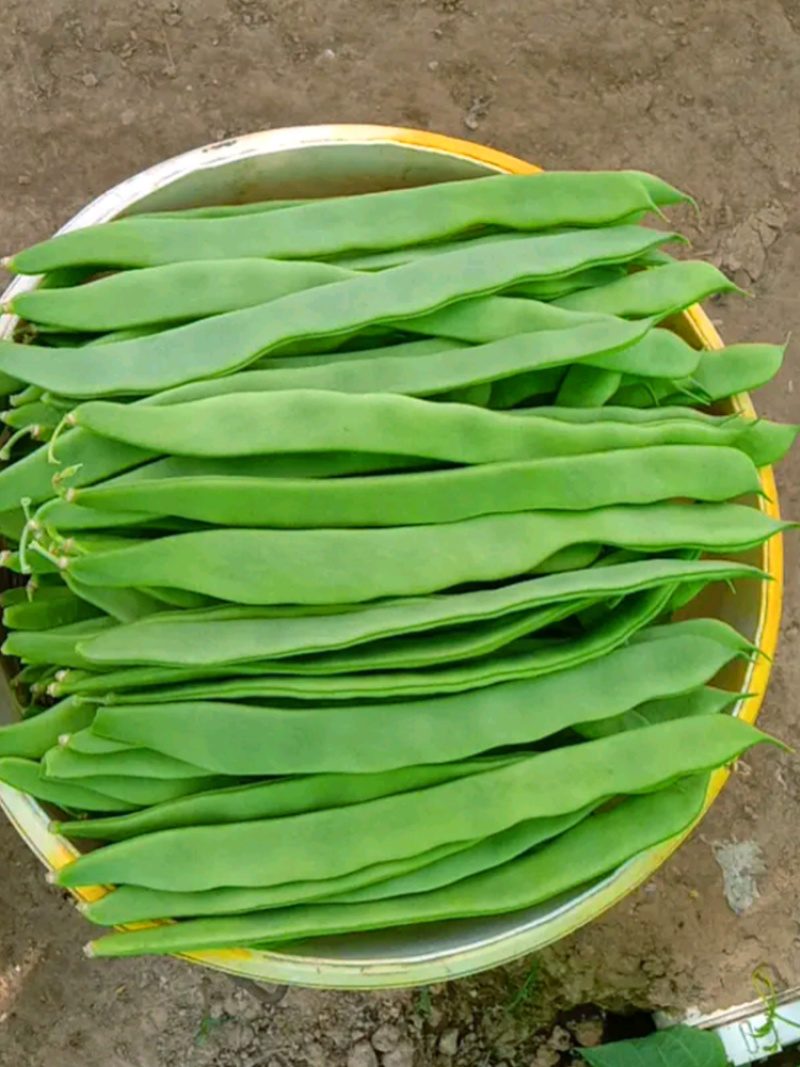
703 92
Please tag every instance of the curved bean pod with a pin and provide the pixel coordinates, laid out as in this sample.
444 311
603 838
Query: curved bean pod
658 292
31 738
371 221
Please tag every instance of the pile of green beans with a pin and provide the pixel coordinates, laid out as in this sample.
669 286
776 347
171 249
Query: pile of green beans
345 540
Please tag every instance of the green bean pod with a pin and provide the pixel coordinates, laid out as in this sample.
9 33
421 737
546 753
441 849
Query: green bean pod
224 343
31 738
373 221
520 660
26 776
551 783
236 635
294 567
705 701
274 799
657 292
592 848
238 739
595 480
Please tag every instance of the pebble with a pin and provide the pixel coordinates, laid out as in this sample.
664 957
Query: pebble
448 1042
588 1033
89 80
386 1038
362 1055
402 1056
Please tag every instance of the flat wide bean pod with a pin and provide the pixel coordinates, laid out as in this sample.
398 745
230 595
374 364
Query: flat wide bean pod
452 367
57 645
132 901
26 775
65 765
595 480
174 293
592 848
704 701
48 608
268 800
238 739
658 292
295 567
720 374
204 638
414 874
224 343
306 420
31 738
372 221
328 843
523 659
484 855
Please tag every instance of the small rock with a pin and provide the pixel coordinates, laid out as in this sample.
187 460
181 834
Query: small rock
24 179
545 1057
741 863
433 65
159 1016
89 80
128 116
560 1039
588 1033
362 1055
386 1038
315 1055
402 1056
448 1042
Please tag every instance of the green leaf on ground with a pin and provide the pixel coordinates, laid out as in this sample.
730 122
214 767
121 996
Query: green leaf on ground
680 1046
